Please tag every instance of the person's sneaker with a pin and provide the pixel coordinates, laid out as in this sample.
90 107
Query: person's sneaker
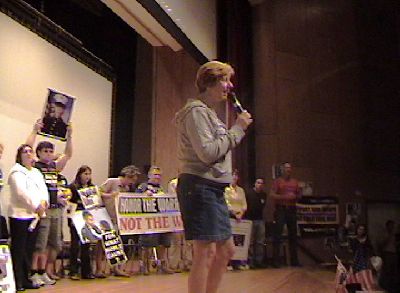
230 268
36 280
27 285
89 277
47 280
75 277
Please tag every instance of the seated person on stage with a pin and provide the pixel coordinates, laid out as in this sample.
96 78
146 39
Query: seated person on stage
159 240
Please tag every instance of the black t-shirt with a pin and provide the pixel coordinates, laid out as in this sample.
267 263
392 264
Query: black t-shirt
50 175
255 204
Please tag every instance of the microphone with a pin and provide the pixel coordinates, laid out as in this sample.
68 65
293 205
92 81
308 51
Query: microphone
235 102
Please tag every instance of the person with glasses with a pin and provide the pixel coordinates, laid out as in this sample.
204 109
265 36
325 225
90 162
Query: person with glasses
49 241
29 200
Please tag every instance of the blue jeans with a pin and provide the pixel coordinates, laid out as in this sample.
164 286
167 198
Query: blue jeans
285 215
257 240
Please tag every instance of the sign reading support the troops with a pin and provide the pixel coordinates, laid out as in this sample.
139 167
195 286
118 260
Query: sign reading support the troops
142 214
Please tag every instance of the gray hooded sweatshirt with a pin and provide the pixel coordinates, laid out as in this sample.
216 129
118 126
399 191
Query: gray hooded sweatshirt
204 142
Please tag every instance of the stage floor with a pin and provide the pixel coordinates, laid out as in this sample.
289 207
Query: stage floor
284 280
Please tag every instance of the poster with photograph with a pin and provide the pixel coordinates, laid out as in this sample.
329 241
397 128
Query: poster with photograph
91 224
90 197
241 233
56 115
7 283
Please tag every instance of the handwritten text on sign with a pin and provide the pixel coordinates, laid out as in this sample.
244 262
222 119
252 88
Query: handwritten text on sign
140 214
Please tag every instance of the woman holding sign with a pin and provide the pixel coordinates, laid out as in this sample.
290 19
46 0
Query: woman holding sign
204 152
83 179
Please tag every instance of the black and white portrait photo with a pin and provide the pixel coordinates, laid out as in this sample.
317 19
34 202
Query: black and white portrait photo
56 115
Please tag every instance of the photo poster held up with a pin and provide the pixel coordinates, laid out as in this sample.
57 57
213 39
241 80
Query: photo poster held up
241 233
7 282
56 115
90 197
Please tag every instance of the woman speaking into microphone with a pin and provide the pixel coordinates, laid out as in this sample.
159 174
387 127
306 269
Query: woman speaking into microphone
204 152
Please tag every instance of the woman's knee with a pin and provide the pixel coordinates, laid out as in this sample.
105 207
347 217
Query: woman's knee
204 251
226 251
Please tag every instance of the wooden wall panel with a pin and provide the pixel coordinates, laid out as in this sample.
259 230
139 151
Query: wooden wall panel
307 93
174 75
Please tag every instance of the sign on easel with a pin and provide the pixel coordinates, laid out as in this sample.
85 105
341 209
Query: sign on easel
7 283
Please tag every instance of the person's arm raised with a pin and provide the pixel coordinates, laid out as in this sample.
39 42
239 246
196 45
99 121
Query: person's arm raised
61 162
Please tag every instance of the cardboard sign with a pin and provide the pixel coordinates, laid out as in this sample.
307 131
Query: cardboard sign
318 214
318 210
91 224
142 214
90 197
7 282
241 233
113 248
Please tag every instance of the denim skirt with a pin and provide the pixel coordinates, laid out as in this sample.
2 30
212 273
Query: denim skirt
203 208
